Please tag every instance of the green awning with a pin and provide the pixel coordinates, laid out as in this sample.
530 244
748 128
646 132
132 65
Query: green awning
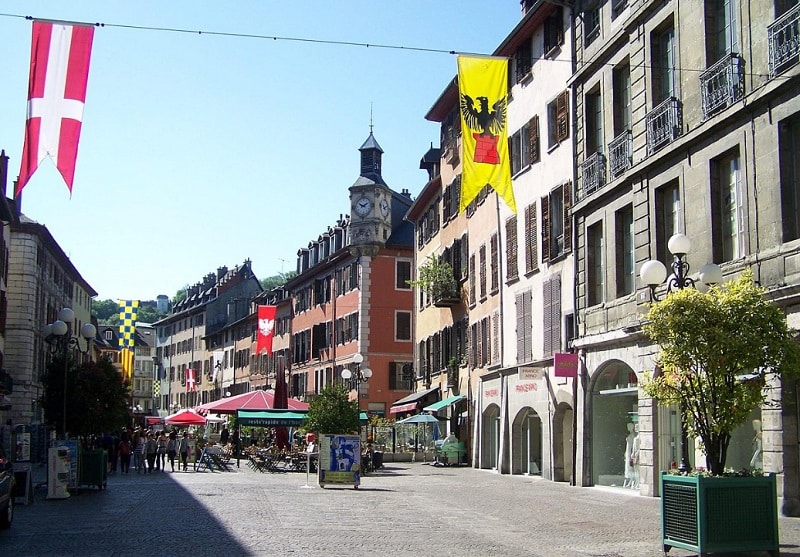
442 403
362 416
270 418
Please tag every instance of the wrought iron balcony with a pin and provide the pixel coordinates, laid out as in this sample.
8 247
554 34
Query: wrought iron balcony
783 36
722 84
593 171
664 124
620 153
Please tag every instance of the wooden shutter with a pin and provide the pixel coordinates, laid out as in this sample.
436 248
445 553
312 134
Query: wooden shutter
482 271
545 229
494 261
531 246
547 318
555 298
496 337
519 302
512 267
472 279
533 139
567 205
562 116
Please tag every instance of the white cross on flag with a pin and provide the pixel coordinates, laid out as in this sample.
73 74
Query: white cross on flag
59 72
191 382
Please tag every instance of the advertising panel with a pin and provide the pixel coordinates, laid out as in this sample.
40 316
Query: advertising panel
339 460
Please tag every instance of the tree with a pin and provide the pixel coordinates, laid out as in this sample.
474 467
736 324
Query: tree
97 398
435 278
331 411
277 280
717 351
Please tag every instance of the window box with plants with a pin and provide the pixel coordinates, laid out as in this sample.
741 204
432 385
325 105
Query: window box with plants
718 351
437 280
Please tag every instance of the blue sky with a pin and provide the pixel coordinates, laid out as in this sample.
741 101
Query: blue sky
199 151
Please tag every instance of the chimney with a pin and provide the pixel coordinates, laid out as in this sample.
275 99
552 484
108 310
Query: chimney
221 271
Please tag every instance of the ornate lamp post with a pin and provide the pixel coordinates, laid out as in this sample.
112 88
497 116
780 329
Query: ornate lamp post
358 375
58 336
654 273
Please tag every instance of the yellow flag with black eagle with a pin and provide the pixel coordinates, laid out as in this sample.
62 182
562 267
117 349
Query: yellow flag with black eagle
483 105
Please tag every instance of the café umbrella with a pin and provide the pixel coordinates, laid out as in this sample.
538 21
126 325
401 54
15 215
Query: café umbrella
185 418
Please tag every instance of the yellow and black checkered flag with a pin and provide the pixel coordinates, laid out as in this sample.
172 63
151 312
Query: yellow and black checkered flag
157 388
127 322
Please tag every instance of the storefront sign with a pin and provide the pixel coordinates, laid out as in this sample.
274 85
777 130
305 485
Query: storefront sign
530 373
526 387
491 393
565 365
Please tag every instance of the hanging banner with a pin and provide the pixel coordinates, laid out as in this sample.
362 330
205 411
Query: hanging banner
266 328
483 102
565 365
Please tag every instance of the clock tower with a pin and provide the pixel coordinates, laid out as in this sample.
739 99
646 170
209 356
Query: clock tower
370 203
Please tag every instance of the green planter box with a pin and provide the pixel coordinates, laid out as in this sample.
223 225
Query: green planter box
719 514
93 468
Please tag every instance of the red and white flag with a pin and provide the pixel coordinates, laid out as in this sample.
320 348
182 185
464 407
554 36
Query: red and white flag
191 381
59 72
266 328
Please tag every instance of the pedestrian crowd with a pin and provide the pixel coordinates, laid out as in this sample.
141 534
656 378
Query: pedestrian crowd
145 450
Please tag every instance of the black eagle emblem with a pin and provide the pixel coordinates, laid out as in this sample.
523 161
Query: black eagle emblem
482 119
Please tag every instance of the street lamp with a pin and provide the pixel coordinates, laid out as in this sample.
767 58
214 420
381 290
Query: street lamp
357 376
58 336
654 273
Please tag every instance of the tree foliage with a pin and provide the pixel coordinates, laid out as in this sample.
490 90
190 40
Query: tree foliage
435 278
277 280
331 411
97 398
716 352
107 312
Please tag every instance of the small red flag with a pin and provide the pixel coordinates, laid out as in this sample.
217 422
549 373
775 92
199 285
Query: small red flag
59 71
266 328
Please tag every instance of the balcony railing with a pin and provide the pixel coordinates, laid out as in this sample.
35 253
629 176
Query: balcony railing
664 124
593 171
722 84
783 36
620 153
446 296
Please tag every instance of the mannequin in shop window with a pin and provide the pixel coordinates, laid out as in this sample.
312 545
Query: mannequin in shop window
632 457
756 463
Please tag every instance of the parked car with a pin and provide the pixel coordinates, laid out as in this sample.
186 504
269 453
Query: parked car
6 491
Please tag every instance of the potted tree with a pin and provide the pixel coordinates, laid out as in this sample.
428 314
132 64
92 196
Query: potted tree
437 280
718 351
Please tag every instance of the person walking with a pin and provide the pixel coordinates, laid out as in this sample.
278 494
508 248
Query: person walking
183 448
125 455
161 451
223 437
139 442
151 450
172 449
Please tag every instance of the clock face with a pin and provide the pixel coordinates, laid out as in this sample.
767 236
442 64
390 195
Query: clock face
384 208
363 206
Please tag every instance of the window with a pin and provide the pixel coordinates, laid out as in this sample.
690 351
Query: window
727 208
554 30
402 325
663 63
512 266
591 25
556 224
494 262
524 327
558 119
621 77
594 123
623 241
720 29
524 146
531 239
108 334
523 60
401 376
789 153
552 315
402 274
595 273
482 271
667 219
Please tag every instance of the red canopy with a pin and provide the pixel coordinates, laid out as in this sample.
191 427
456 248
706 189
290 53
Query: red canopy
185 417
254 400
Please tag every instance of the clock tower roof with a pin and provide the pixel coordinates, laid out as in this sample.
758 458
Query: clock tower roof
371 154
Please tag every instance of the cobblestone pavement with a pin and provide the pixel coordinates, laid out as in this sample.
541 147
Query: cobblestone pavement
402 510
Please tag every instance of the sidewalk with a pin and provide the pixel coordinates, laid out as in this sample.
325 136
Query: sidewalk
404 509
